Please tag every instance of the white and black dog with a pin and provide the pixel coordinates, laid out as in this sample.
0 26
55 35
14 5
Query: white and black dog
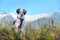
19 23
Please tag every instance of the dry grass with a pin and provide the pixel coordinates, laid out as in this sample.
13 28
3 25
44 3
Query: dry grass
44 32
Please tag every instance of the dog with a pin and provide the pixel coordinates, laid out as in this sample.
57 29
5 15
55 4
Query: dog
19 23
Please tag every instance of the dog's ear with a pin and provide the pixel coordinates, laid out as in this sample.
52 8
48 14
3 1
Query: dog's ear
24 11
18 10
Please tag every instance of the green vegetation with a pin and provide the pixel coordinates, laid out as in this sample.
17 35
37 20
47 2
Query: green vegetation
44 32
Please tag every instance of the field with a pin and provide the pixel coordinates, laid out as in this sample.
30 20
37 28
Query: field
43 32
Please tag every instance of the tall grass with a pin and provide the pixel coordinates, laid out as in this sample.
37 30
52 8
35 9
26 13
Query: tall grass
44 32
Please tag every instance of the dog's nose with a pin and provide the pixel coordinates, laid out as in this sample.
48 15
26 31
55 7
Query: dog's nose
21 15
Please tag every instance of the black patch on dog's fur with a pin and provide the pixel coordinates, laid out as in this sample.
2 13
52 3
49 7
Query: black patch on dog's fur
14 22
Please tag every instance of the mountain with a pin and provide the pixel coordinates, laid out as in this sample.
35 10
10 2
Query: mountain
54 17
10 18
32 19
29 18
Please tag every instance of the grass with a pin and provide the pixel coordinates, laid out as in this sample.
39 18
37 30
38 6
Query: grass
44 32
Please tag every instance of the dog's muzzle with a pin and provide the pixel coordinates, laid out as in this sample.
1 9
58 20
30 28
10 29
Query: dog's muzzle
21 15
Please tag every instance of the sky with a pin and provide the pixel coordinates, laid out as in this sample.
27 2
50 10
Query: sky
31 6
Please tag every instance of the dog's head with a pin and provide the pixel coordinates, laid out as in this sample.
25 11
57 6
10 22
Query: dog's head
21 12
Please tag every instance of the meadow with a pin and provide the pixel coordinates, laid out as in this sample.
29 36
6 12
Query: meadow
43 32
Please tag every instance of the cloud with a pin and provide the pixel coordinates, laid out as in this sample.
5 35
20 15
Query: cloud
29 18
